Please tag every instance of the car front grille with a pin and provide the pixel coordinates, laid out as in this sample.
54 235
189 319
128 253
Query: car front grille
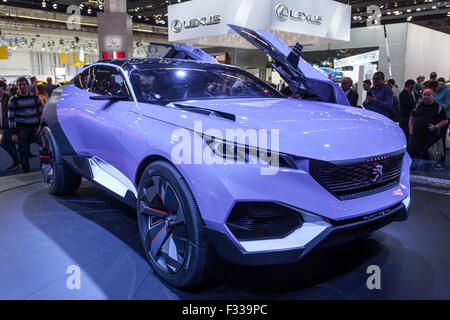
350 180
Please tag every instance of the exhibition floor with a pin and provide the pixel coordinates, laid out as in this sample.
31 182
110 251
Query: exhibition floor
42 235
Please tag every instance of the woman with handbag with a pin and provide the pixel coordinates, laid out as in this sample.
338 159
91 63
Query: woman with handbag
425 124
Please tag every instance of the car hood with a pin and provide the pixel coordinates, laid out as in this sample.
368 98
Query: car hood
306 128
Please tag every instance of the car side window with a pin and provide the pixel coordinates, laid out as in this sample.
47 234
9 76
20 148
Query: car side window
143 86
108 81
81 81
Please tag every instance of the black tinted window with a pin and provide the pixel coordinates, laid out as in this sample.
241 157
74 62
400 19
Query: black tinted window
81 80
171 82
108 81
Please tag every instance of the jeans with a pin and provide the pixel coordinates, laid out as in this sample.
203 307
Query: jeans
8 144
26 135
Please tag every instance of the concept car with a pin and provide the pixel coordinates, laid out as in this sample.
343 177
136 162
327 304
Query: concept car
154 133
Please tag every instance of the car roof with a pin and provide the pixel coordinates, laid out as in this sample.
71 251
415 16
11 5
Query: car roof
127 64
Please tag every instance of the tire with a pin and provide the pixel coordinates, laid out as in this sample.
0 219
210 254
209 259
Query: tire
171 228
58 177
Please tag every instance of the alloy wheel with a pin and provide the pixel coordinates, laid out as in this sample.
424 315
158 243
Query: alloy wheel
162 225
48 161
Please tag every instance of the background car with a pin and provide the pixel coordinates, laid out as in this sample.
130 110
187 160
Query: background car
332 74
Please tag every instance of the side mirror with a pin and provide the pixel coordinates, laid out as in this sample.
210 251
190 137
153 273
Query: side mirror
110 98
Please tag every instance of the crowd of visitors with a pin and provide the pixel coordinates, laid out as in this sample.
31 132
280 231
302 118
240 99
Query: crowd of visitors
421 110
21 106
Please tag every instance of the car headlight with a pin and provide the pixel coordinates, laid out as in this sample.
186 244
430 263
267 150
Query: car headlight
233 152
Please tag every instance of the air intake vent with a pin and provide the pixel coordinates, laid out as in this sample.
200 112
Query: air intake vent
262 220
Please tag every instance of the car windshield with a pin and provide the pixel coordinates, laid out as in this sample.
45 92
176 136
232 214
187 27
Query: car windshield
163 83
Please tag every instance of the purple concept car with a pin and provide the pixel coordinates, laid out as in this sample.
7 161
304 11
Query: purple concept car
221 166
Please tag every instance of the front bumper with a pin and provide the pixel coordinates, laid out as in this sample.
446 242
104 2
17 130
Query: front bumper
336 233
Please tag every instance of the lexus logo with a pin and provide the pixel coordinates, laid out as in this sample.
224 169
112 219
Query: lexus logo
377 173
283 13
177 25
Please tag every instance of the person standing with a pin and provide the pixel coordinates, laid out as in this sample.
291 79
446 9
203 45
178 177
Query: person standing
7 142
49 86
433 76
380 97
442 97
352 96
425 123
281 86
42 94
441 94
24 113
33 86
367 84
407 102
418 86
396 102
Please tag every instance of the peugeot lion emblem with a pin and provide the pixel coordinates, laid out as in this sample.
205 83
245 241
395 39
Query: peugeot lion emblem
377 173
282 12
177 25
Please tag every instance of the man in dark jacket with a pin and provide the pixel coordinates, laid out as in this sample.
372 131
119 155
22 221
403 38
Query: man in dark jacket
24 112
49 86
407 103
352 96
7 142
425 123
380 97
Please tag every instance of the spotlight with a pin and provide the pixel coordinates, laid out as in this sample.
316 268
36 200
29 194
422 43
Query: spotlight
55 6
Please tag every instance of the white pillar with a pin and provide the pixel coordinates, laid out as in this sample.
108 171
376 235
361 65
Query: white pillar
115 35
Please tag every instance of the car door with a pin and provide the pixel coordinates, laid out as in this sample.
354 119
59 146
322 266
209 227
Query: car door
94 126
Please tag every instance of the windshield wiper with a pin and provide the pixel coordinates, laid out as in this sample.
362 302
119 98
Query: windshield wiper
204 111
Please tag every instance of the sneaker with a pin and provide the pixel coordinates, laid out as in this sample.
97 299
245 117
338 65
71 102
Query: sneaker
14 167
439 166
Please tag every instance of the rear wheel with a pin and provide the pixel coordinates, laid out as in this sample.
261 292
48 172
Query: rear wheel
59 178
171 228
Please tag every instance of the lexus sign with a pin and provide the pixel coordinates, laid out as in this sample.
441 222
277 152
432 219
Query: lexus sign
205 22
282 12
177 25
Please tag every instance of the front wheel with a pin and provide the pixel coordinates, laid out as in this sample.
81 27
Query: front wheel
171 228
